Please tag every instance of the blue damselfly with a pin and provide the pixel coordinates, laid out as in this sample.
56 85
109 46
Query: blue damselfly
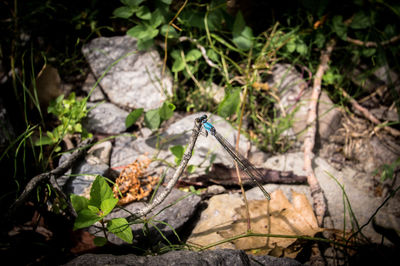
242 162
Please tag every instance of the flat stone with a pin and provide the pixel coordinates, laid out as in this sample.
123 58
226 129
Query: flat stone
97 94
221 257
179 133
133 78
106 118
175 211
294 94
358 187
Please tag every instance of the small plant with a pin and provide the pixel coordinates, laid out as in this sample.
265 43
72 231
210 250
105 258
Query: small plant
149 25
387 171
69 112
152 118
178 151
95 209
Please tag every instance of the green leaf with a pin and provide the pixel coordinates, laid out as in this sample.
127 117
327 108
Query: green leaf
99 192
319 40
144 44
361 21
172 33
368 52
291 46
133 117
193 19
193 55
132 3
55 105
167 110
121 228
229 104
191 168
301 48
156 18
339 27
152 119
168 2
178 65
45 140
176 54
212 55
144 13
78 202
94 209
85 219
123 12
178 152
100 241
108 205
142 32
242 34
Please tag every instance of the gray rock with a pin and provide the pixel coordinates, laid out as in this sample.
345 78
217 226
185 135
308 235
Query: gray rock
106 118
97 93
184 257
175 211
127 149
133 82
100 153
80 177
215 190
83 176
358 187
294 94
380 76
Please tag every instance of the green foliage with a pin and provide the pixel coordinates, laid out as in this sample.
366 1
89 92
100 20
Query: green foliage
153 118
121 228
133 117
230 104
69 112
339 27
178 151
296 44
95 209
242 34
150 23
387 170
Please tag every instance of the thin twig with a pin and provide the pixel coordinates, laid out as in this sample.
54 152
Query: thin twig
309 141
51 177
373 44
185 160
317 194
368 115
202 50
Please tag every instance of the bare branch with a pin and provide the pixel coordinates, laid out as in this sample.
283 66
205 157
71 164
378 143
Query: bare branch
368 115
52 175
185 160
373 44
317 194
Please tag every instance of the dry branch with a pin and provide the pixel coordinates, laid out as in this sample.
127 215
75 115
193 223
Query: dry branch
368 115
317 194
373 44
185 160
51 177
